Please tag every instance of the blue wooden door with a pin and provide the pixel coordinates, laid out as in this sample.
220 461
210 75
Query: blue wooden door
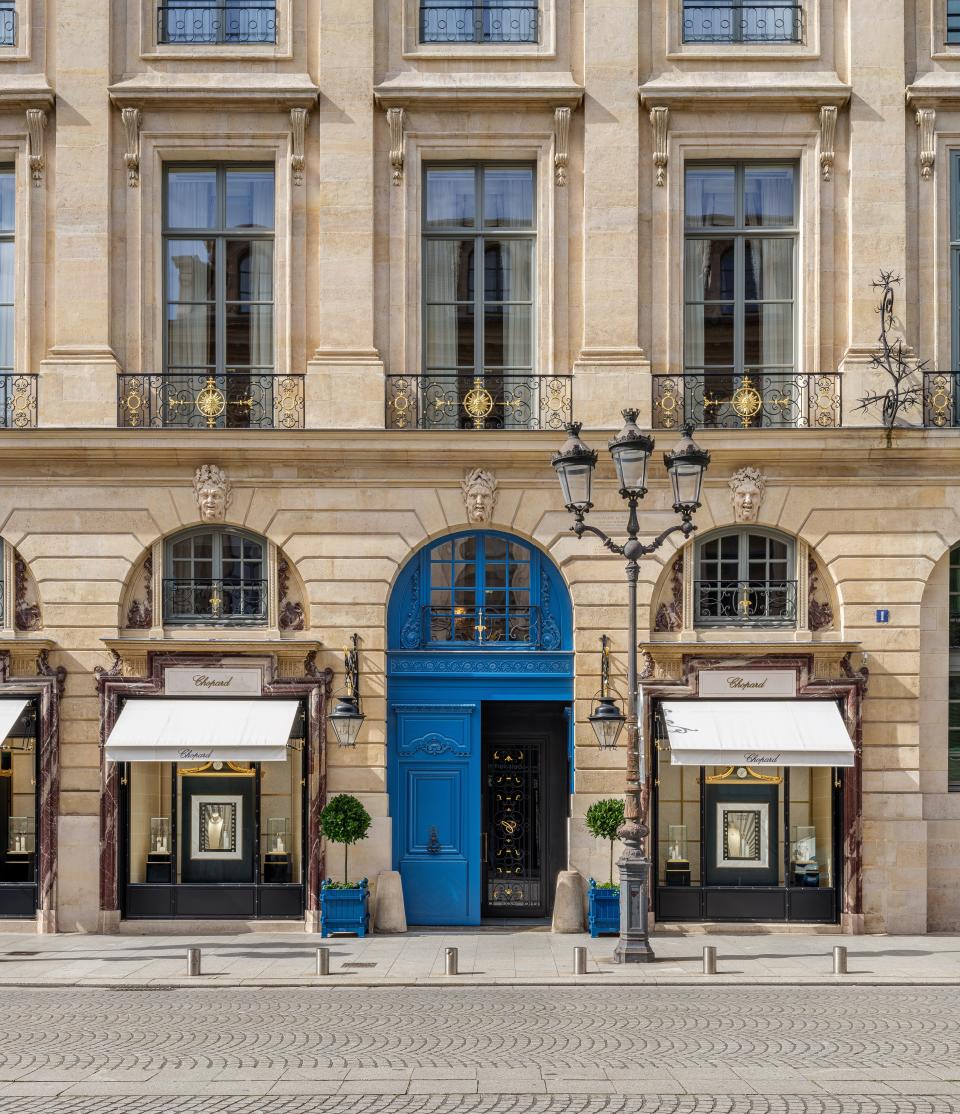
436 775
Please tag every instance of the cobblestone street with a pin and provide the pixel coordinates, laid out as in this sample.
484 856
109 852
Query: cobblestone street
523 1050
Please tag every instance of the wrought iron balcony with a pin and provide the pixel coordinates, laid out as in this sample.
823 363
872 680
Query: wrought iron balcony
223 23
198 400
493 400
506 22
732 22
18 400
214 601
482 626
724 400
8 25
748 602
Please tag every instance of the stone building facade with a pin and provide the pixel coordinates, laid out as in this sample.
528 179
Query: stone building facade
223 267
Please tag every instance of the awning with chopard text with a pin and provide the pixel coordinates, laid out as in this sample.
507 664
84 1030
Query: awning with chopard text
202 731
756 733
11 708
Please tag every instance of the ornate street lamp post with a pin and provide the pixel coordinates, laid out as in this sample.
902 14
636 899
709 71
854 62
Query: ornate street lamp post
574 463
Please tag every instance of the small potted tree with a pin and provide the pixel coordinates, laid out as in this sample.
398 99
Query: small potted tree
603 820
344 906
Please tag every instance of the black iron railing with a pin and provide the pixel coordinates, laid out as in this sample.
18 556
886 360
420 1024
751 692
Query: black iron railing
481 625
752 602
723 400
222 600
18 400
493 400
506 22
199 400
8 25
223 23
732 22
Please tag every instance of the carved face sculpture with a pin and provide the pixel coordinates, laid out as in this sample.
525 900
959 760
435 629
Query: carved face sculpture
747 487
213 492
479 495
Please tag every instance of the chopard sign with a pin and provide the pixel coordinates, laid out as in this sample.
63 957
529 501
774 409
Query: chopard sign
770 683
190 680
751 758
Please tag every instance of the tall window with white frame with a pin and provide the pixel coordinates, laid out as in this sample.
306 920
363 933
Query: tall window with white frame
739 333
219 296
479 248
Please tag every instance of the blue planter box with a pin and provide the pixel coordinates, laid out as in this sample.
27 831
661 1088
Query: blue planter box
604 910
344 910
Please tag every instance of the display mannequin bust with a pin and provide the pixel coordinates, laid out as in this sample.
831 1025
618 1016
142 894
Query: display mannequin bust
215 830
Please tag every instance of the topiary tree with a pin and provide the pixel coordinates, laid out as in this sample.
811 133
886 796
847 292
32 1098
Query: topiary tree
604 819
346 821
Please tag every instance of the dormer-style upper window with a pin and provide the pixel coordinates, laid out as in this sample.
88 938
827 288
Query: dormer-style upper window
217 21
8 23
742 21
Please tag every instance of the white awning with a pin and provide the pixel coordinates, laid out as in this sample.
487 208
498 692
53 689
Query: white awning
202 731
756 733
11 708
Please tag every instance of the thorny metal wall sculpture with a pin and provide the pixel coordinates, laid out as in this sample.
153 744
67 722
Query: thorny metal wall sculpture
905 374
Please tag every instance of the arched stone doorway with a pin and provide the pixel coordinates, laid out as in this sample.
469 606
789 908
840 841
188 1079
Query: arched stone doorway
479 694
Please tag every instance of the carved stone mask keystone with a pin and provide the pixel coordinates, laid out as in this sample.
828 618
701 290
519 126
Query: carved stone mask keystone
479 495
747 486
213 492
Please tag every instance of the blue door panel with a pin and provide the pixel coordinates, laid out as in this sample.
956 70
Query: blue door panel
435 782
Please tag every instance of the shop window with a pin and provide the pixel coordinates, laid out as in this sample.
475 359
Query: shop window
953 744
745 578
217 21
479 247
479 21
19 809
219 295
215 576
225 822
739 332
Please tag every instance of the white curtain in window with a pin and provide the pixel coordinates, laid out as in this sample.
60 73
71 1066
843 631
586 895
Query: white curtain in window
696 284
261 317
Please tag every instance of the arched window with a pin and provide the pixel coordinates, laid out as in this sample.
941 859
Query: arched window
745 577
215 576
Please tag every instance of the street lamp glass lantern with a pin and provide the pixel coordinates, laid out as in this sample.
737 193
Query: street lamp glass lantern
574 464
607 722
686 466
346 720
631 451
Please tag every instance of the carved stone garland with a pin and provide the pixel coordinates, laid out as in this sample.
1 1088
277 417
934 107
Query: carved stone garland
132 122
660 119
561 121
396 118
291 615
26 608
828 128
926 122
669 615
819 612
299 118
140 611
36 125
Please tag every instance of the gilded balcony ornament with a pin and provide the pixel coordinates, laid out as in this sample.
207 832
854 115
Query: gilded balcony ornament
747 403
940 400
478 403
22 402
667 404
211 401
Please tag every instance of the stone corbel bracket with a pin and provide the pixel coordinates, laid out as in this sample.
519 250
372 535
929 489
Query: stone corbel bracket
36 125
927 122
132 122
828 131
561 126
660 119
299 118
396 119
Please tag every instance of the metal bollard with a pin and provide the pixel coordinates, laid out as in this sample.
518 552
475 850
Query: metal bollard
451 961
193 961
709 960
839 960
323 961
579 961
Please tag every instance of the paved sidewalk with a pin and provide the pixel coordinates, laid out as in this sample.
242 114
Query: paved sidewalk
521 956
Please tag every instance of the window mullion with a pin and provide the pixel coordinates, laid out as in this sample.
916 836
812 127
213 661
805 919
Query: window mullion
479 309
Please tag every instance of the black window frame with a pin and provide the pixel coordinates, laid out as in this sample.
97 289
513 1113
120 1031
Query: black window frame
486 29
726 593
218 584
215 31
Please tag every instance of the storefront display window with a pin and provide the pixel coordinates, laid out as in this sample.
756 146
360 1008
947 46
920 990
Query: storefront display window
18 816
192 823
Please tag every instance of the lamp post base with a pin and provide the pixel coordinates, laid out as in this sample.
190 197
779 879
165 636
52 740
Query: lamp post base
634 943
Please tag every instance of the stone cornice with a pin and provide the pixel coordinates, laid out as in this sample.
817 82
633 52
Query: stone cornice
252 91
482 91
23 91
763 91
215 642
934 90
